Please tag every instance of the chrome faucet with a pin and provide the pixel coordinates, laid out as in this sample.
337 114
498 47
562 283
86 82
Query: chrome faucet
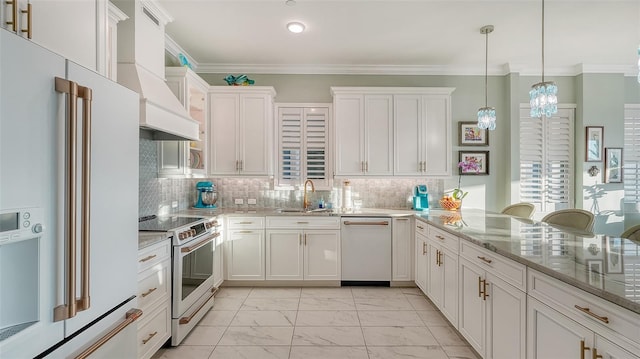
305 201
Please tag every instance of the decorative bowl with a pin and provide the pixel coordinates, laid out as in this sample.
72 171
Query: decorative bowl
450 204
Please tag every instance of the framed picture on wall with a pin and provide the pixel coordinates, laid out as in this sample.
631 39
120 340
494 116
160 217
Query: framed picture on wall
469 134
594 143
614 255
479 158
594 273
613 165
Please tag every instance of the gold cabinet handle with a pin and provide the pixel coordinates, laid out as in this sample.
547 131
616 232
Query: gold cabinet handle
485 293
148 258
300 238
480 287
439 258
302 222
305 239
145 341
595 354
440 237
424 248
14 14
149 292
28 12
485 259
131 317
421 227
592 314
583 348
366 166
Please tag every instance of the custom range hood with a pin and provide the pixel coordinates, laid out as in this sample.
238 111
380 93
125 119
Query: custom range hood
141 68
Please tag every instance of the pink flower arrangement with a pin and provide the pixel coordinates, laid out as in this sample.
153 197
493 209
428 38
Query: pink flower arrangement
468 165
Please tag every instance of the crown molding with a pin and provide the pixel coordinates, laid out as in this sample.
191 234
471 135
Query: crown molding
174 49
158 11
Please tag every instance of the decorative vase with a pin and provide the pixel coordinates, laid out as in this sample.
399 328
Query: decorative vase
450 204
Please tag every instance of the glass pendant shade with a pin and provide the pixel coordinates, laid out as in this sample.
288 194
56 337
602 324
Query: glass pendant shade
487 118
543 99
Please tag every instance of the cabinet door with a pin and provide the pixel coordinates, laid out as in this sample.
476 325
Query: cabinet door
408 155
449 265
68 28
284 255
401 249
349 136
610 350
437 135
552 335
471 322
218 262
378 127
322 255
421 262
171 158
506 309
223 137
255 130
435 274
245 251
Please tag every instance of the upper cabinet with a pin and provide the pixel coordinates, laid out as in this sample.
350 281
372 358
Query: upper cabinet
186 157
241 130
383 131
76 30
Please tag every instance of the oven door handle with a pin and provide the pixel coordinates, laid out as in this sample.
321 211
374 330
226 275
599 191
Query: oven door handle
189 249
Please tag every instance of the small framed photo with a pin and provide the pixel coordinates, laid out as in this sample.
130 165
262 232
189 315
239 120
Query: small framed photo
595 274
479 158
471 135
594 143
613 255
613 165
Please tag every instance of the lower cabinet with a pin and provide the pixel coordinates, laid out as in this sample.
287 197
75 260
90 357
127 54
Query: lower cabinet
218 261
442 272
421 255
401 249
302 254
244 248
154 297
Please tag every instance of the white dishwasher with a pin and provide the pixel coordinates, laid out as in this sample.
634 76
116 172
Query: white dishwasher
366 250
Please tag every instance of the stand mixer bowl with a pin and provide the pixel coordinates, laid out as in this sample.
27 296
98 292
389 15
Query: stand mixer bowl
209 198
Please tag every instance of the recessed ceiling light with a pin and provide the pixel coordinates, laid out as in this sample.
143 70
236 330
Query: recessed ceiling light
295 27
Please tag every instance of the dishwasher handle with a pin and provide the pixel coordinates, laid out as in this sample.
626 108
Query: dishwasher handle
356 223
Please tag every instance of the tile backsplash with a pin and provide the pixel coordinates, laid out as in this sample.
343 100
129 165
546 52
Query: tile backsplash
158 194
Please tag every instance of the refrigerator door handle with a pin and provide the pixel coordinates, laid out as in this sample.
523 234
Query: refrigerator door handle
131 317
86 94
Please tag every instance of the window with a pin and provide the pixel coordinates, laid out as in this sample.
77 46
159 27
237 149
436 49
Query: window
631 155
546 161
303 142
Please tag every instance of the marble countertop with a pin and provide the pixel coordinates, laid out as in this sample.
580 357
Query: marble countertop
146 239
605 266
259 212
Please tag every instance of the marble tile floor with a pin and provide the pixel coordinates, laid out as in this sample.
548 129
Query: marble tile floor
346 322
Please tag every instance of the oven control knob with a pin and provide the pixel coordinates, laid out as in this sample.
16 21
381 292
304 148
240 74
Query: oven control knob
181 235
193 232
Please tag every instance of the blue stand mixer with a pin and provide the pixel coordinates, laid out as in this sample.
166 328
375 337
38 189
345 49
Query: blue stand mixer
207 195
420 198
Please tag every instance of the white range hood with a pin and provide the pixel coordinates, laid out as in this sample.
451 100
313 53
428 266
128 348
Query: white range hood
141 69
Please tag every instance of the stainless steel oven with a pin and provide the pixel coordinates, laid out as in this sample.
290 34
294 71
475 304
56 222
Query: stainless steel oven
192 270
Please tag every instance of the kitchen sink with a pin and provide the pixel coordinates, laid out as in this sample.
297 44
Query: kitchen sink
301 210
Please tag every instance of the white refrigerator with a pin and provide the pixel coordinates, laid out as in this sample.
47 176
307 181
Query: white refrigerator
68 208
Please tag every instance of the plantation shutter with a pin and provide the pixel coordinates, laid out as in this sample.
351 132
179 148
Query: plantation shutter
631 155
546 161
303 145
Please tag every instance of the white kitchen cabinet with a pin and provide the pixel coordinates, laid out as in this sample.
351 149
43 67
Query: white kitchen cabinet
309 253
241 131
492 304
392 131
566 322
402 248
76 30
218 258
442 272
154 297
186 158
422 134
364 134
245 248
421 255
110 57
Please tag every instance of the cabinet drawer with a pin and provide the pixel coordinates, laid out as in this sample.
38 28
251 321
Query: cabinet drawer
154 285
511 272
421 228
447 240
150 256
245 223
154 330
595 312
303 222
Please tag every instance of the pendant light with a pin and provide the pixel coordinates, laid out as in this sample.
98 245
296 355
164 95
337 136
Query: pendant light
543 95
486 114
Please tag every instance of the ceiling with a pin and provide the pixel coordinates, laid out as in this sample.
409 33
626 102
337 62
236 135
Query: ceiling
406 37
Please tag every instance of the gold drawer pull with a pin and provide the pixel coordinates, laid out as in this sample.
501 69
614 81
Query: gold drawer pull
302 222
149 292
148 258
421 227
440 237
485 259
592 314
145 341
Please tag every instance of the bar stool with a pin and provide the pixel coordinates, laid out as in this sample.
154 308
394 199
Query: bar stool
522 209
571 218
